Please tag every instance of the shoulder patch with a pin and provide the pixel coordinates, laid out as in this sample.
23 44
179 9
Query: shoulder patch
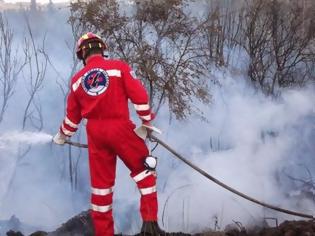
95 81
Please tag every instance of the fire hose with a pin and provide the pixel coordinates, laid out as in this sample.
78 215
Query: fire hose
208 176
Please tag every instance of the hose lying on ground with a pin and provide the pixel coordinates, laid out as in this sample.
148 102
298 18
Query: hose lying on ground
154 138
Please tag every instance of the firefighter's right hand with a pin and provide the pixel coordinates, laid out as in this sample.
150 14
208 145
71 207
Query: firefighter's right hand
150 128
59 138
147 125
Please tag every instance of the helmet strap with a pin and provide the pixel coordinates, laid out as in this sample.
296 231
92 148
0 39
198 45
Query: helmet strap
83 57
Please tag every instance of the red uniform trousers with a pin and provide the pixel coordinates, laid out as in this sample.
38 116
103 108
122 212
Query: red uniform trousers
107 139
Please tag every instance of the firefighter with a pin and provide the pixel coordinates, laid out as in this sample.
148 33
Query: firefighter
99 93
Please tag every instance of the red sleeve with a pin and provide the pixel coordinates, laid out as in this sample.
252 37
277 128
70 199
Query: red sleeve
73 117
137 93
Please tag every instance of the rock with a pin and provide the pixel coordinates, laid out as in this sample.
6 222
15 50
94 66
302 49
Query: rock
39 233
79 225
13 233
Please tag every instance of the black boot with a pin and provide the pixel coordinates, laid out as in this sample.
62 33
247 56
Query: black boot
151 228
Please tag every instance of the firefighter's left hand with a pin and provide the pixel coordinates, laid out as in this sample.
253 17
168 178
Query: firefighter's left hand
59 138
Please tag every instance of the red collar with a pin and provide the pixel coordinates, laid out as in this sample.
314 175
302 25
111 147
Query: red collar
93 58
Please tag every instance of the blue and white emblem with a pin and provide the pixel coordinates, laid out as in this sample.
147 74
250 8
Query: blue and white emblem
95 82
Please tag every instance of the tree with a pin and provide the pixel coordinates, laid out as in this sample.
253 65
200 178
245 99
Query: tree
255 42
172 50
36 60
279 39
160 41
63 84
221 30
33 6
292 42
10 65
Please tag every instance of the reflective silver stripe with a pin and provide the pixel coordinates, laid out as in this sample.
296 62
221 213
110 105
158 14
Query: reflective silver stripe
76 85
70 123
143 107
102 192
145 191
148 117
102 209
66 132
116 73
142 175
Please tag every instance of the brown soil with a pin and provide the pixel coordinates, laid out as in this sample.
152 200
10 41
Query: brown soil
81 225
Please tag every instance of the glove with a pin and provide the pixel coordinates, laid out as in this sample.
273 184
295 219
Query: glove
60 138
145 129
147 125
150 128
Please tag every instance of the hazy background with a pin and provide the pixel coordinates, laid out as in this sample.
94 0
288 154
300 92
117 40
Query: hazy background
254 143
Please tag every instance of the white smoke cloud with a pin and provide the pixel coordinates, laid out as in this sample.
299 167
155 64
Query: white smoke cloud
35 184
26 138
255 139
247 143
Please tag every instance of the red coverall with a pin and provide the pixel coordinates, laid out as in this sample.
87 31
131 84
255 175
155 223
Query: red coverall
100 92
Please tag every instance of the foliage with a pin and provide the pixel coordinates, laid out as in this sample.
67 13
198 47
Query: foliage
171 48
279 39
159 41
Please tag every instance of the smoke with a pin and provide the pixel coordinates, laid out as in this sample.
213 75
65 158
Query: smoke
35 177
249 141
14 138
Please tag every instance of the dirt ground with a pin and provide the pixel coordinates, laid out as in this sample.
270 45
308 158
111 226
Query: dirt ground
81 225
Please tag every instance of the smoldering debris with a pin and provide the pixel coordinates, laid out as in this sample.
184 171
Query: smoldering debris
16 224
81 225
78 225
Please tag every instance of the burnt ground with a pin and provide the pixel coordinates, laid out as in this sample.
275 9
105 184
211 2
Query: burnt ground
81 225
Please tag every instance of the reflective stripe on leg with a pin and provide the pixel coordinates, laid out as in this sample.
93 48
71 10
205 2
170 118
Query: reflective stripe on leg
102 196
142 175
101 209
101 191
145 191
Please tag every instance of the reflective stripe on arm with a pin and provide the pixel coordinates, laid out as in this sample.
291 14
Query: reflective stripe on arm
116 73
66 131
70 123
146 118
144 111
142 107
76 85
